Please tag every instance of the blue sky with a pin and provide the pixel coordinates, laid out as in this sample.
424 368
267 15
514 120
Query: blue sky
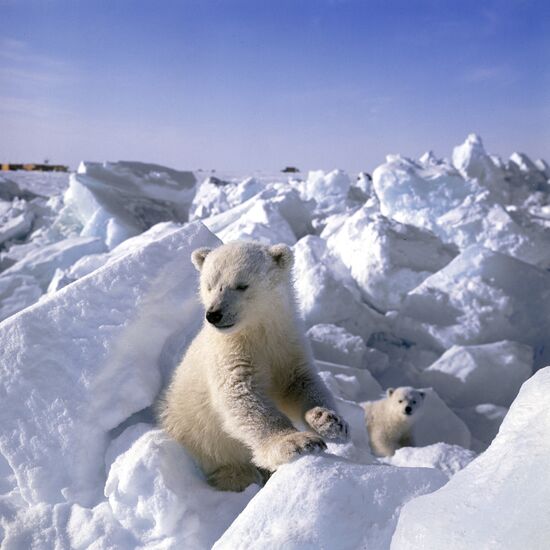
245 85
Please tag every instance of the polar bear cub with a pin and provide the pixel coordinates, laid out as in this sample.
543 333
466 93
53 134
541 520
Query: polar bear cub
390 420
248 372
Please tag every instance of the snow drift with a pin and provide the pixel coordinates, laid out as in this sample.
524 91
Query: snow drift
499 500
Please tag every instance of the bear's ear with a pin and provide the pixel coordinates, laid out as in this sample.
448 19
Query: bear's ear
390 391
422 394
198 256
282 255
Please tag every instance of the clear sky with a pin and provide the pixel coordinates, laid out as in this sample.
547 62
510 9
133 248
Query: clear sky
262 84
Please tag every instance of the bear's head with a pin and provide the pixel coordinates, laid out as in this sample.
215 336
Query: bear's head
243 283
405 400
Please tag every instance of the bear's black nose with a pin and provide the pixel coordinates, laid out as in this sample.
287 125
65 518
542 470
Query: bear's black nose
214 317
408 409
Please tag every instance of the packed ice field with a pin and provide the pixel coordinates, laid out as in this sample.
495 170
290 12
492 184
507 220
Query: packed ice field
432 273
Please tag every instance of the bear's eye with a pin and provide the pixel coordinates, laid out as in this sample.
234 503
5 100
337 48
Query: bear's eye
241 287
413 402
401 401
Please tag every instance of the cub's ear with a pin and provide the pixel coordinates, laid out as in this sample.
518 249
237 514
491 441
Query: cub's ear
282 255
422 394
198 256
390 391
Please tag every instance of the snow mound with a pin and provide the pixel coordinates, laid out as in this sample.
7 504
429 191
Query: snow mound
159 495
483 421
326 292
448 458
215 196
387 259
11 190
262 222
16 220
274 215
115 201
473 162
43 262
89 263
336 345
16 293
349 383
479 220
64 389
418 193
466 376
329 190
326 502
500 499
482 296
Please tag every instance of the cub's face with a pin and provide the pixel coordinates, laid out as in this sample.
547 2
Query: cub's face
239 282
405 400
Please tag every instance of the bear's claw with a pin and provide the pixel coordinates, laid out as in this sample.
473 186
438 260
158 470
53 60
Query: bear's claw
328 424
283 448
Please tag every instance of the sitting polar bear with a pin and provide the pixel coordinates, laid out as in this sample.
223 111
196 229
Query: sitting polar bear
389 420
248 371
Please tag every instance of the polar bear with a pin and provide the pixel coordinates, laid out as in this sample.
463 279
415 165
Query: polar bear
389 420
249 372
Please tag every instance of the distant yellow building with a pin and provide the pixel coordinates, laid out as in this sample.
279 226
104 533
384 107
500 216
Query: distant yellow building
31 167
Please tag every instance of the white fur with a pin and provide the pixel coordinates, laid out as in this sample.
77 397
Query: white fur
388 424
244 379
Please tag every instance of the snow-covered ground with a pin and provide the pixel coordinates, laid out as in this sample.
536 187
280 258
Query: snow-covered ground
433 273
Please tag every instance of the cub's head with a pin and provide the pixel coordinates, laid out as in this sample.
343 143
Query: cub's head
405 400
241 282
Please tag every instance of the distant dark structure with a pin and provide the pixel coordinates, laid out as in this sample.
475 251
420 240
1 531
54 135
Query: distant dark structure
6 166
365 175
290 170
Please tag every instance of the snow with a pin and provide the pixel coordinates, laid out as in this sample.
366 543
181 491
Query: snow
157 493
348 382
434 274
315 501
16 293
386 258
327 294
471 375
336 345
115 201
483 422
45 184
55 429
42 263
438 423
15 221
500 499
481 297
327 189
274 215
448 458
417 193
479 220
473 162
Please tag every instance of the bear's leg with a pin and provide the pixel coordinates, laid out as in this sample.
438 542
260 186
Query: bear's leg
234 477
328 424
317 405
406 440
381 443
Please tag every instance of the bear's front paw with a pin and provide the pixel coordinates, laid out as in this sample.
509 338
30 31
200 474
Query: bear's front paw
283 448
328 424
